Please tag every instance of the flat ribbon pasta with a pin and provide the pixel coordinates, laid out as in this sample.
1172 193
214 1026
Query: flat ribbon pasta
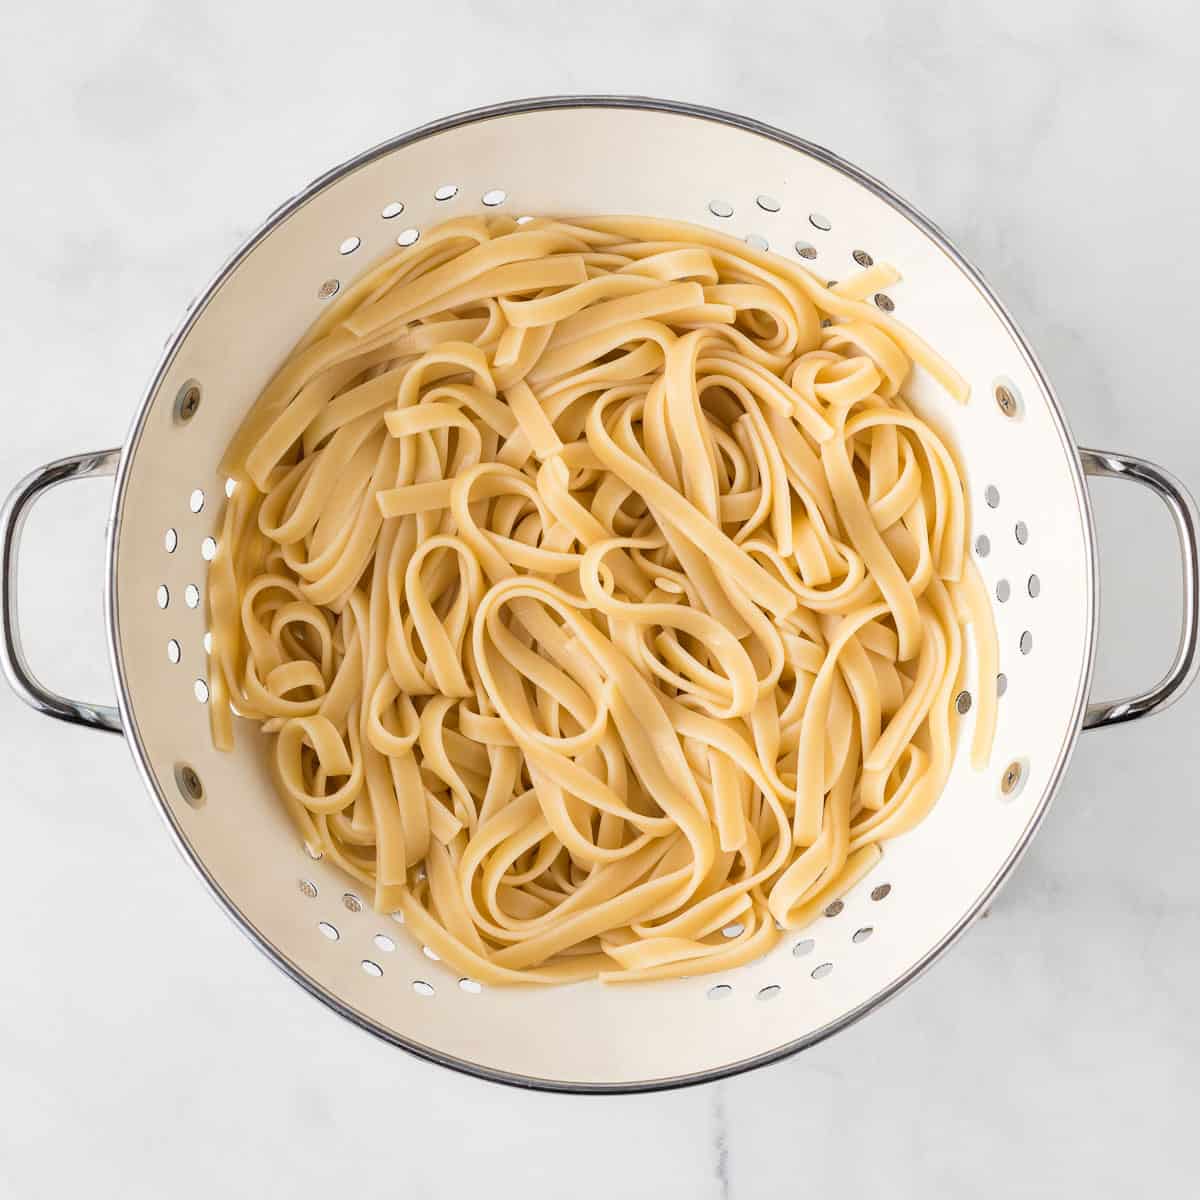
602 594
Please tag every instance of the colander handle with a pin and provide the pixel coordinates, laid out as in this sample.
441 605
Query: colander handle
1183 511
12 655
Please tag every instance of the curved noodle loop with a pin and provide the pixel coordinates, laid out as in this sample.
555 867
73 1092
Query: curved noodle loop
603 595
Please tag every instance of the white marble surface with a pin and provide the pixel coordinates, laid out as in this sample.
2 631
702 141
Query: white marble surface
146 1050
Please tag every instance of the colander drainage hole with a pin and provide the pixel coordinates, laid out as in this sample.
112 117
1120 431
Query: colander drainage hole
818 221
1021 533
882 892
208 549
196 500
720 991
351 902
734 930
494 197
821 970
392 210
372 968
983 545
422 988
384 943
720 208
350 245
800 949
430 952
191 596
330 931
162 597
863 258
407 237
991 495
860 935
1026 642
962 703
200 691
757 242
806 250
446 192
833 908
1003 590
767 203
1035 587
170 541
174 653
471 985
769 992
885 302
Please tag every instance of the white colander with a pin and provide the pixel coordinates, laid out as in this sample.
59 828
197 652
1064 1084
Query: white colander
1031 529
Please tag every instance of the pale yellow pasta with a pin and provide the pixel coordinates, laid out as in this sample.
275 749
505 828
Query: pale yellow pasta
603 597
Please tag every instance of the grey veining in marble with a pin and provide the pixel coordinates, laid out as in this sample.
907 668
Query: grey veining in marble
146 1050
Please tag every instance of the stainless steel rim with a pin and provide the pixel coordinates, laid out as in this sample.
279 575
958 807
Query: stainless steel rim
129 717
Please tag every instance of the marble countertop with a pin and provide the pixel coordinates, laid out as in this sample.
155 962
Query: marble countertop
146 1050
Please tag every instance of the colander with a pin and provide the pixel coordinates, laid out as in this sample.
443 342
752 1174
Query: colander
1031 531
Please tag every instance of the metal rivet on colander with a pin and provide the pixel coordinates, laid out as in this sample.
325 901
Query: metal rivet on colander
962 702
863 258
884 301
189 784
329 288
1006 400
352 902
187 402
833 908
806 250
1011 778
308 888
